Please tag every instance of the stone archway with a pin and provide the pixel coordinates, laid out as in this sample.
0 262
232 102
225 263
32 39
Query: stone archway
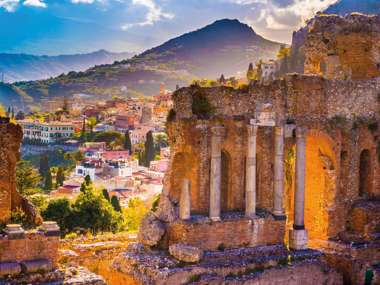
186 167
320 185
365 184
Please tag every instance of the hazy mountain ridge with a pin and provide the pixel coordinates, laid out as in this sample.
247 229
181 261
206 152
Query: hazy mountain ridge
226 46
343 7
25 67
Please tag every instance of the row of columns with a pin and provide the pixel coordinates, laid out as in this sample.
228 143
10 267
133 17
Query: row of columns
298 235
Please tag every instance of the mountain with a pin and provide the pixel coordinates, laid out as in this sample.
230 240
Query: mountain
343 7
23 67
226 46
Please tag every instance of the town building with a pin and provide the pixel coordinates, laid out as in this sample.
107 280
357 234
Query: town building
46 132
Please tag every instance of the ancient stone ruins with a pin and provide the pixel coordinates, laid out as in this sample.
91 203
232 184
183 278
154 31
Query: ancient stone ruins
276 183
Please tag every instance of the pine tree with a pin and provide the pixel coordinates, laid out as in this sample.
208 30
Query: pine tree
149 148
106 195
44 165
48 181
87 180
115 203
65 107
128 143
13 113
222 80
8 112
60 176
250 72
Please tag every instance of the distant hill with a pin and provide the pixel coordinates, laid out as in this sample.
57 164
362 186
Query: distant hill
343 7
25 67
225 46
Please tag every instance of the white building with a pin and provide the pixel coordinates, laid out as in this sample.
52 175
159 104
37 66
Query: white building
85 169
46 132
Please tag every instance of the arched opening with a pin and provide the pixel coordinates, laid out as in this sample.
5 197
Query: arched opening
185 165
225 182
365 174
320 185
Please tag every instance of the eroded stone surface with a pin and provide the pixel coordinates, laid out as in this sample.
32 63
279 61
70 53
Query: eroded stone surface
152 230
186 253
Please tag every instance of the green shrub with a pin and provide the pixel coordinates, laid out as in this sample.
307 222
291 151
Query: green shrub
171 115
201 107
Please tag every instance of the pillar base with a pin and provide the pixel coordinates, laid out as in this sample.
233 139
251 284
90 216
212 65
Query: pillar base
298 239
215 219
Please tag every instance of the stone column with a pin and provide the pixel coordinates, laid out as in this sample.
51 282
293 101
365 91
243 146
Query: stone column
278 209
217 134
298 236
250 186
184 202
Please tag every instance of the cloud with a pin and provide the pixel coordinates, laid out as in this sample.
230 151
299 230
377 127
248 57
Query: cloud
35 3
9 5
153 15
82 1
284 14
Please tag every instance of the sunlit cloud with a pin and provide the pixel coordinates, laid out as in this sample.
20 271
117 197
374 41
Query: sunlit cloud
35 3
154 14
9 5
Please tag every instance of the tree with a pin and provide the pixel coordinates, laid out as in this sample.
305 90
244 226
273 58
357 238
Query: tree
48 185
65 107
13 113
94 212
60 178
2 111
87 180
8 112
106 195
134 213
91 122
112 138
222 80
60 211
20 115
127 142
250 72
27 178
44 165
149 148
115 203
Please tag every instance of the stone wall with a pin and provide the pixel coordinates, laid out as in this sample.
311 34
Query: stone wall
231 233
34 245
10 140
339 47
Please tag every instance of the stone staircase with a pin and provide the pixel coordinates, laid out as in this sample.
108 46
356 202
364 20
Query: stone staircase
230 266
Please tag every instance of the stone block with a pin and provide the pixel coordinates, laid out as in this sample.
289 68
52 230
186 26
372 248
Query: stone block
151 231
298 239
51 228
9 269
14 231
186 253
36 265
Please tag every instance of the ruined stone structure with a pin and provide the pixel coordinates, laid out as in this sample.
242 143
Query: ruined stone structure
295 162
10 199
339 47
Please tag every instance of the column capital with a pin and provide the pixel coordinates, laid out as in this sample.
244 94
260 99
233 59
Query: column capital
279 130
218 131
301 131
252 130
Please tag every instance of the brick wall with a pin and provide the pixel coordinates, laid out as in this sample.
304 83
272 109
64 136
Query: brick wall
228 233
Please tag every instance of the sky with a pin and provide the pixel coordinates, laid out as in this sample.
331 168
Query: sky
54 27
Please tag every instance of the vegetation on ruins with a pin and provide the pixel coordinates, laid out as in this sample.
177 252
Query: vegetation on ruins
201 107
171 115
